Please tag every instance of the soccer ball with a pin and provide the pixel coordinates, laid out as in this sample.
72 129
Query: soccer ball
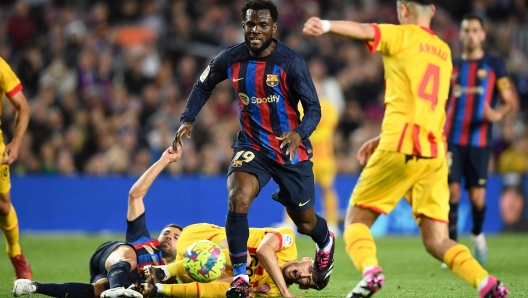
204 261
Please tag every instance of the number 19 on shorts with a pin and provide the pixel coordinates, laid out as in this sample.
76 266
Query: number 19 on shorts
242 156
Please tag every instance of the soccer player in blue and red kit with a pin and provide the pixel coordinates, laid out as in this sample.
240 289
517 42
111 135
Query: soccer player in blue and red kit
269 80
477 79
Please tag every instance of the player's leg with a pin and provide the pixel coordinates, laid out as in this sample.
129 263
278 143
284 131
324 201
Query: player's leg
246 176
430 207
476 183
297 193
454 162
383 182
22 287
189 290
9 225
459 259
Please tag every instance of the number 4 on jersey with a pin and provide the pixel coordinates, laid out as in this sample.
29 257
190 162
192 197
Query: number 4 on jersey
430 93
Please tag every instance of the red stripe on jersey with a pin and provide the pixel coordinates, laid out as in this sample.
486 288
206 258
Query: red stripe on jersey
464 138
483 137
14 90
265 117
290 112
245 117
434 146
303 153
417 149
400 143
372 46
452 102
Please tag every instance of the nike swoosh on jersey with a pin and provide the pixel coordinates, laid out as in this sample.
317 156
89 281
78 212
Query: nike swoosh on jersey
302 204
236 80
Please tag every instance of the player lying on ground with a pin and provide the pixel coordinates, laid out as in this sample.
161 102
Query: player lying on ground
409 158
272 267
115 265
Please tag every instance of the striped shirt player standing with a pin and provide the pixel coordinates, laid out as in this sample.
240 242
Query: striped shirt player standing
477 79
269 80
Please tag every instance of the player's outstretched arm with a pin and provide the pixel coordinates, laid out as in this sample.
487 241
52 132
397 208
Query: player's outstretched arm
136 207
508 102
266 253
316 27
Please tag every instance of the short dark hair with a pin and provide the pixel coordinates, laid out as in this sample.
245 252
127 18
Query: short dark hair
260 5
421 2
172 225
473 17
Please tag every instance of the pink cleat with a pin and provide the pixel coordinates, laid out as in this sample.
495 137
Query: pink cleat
493 289
372 282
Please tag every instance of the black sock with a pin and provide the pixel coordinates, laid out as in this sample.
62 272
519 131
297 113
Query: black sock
237 232
320 233
70 289
118 274
478 220
453 220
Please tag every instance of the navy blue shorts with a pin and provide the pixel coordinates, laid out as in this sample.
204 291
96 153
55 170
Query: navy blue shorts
296 182
97 262
468 162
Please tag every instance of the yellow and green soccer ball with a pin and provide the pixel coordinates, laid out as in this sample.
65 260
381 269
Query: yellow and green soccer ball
204 261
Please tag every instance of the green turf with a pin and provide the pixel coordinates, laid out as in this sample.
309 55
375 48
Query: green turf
409 270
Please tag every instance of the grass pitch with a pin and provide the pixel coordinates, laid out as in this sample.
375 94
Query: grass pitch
409 270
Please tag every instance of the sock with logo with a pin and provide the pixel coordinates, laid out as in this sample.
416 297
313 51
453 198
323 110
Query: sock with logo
237 232
360 246
478 220
320 233
459 259
453 221
118 274
194 289
70 289
9 227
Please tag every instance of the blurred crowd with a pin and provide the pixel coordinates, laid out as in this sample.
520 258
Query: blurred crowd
107 80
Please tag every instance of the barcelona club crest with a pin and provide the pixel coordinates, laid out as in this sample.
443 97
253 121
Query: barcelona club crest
272 80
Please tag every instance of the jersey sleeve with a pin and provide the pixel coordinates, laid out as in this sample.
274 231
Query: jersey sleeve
213 74
9 82
137 228
304 90
388 39
503 82
287 250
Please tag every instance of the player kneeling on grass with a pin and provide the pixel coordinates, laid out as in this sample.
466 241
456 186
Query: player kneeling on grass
116 265
272 265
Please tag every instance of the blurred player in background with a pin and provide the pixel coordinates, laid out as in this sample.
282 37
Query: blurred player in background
270 80
116 265
476 81
10 85
408 159
272 265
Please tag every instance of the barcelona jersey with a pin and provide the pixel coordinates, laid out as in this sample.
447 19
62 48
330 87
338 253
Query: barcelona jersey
147 248
417 71
474 84
268 91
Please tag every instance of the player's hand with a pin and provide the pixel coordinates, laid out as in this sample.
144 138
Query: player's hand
492 115
367 149
293 139
10 153
313 27
172 156
288 294
185 129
